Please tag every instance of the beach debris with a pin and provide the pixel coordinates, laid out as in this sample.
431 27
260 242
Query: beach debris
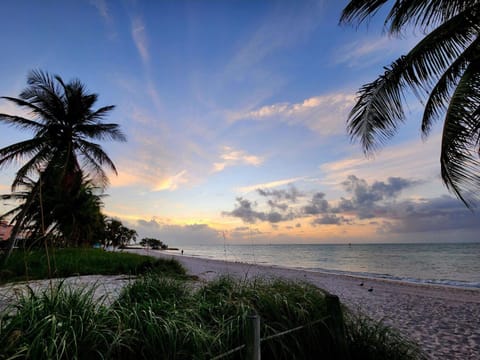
370 290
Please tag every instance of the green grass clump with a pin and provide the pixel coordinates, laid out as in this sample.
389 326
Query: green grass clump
59 323
172 318
374 340
32 265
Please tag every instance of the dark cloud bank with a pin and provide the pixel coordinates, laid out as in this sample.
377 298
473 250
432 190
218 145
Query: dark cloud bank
377 201
177 235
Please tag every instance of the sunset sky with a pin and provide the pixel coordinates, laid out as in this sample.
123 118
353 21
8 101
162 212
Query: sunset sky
235 114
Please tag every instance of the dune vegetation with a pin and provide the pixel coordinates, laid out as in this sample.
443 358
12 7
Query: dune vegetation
173 317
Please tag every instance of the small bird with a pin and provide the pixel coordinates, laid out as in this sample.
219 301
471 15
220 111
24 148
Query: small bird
370 290
361 284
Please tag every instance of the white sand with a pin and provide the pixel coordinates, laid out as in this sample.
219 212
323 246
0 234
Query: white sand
445 321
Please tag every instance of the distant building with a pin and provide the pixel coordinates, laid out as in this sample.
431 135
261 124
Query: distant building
5 230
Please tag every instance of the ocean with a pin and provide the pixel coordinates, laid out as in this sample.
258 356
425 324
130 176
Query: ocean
441 264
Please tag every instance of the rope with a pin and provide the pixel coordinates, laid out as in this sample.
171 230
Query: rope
238 348
221 356
292 330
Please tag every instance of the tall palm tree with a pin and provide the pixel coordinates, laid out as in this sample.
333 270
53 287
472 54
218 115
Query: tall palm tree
64 125
443 70
63 149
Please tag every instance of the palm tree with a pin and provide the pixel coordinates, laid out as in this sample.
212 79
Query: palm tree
45 211
443 70
62 151
64 125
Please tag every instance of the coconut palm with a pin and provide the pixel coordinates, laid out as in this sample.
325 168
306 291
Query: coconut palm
62 151
64 125
443 70
75 219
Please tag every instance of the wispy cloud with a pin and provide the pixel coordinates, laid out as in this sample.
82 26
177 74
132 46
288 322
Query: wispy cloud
368 51
414 159
231 157
286 26
154 182
139 36
172 182
102 8
104 12
323 114
269 185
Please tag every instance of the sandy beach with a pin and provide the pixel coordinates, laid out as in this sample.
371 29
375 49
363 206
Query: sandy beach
443 320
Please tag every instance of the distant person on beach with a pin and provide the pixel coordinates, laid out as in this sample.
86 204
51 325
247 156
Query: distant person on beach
182 251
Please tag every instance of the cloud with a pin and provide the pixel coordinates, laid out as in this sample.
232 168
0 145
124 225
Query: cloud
173 182
284 27
323 114
430 215
291 193
153 182
102 8
364 194
413 159
232 157
363 201
139 36
177 235
366 200
245 210
330 219
268 185
369 51
317 205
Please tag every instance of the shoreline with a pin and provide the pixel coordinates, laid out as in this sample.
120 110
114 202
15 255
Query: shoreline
441 318
358 276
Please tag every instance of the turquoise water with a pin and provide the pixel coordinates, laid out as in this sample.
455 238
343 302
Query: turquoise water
447 264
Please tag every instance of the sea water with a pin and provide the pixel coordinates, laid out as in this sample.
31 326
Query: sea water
442 264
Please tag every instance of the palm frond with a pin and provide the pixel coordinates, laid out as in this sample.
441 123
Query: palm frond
32 166
20 150
20 122
425 14
379 108
98 177
45 94
460 163
101 131
96 152
99 114
41 113
378 111
440 95
360 10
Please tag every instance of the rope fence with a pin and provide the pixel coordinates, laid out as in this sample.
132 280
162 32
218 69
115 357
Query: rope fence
253 340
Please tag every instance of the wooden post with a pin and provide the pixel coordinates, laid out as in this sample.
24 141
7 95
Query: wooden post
336 325
253 337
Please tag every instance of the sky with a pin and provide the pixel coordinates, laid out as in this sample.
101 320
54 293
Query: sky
235 114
